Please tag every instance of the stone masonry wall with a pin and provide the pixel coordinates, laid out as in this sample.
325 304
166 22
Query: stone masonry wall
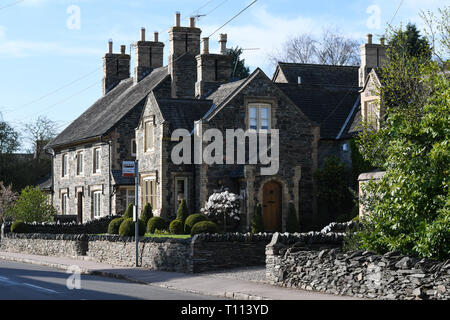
361 274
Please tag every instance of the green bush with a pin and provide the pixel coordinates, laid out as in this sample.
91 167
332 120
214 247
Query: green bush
147 213
257 222
129 212
182 212
19 227
156 223
204 227
292 224
114 225
176 227
193 219
127 228
33 206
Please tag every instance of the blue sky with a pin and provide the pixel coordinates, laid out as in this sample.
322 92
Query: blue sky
51 61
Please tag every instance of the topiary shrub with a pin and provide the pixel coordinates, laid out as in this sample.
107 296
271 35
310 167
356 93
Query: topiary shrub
114 225
257 222
127 228
176 227
19 227
204 227
182 212
156 223
147 213
193 219
292 224
129 212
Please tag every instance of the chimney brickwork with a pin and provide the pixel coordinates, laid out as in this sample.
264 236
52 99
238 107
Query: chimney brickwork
149 55
116 67
372 56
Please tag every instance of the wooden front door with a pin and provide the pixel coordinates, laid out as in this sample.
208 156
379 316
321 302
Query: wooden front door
272 206
80 207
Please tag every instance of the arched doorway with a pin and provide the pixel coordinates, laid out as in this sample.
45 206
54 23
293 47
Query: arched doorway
272 206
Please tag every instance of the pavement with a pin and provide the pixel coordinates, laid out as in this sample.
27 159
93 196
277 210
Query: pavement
224 285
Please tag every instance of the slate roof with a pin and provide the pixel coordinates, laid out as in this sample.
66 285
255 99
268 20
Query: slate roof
317 74
104 114
327 95
181 113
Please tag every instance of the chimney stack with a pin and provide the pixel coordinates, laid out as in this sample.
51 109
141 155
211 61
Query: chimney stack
192 22
149 55
372 56
116 67
184 47
156 36
212 69
123 49
382 41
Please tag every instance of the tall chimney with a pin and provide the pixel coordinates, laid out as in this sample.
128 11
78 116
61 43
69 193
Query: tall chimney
116 67
372 56
212 70
184 47
192 22
149 55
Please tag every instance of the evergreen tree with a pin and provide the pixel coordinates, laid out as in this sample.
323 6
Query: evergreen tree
182 212
147 213
240 70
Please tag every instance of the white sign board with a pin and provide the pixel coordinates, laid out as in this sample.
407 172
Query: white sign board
128 169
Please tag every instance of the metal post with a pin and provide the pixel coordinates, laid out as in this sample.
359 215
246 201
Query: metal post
136 179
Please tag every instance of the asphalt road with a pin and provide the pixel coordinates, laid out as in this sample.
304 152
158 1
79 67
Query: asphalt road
20 281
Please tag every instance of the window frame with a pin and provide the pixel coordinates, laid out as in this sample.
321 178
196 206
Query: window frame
185 191
133 148
149 142
259 106
99 212
127 196
64 203
96 167
150 196
64 165
80 173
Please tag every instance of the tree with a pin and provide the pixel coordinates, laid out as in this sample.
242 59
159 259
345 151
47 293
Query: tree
32 206
409 209
437 29
147 213
413 43
9 139
39 133
257 223
330 48
240 70
7 200
182 212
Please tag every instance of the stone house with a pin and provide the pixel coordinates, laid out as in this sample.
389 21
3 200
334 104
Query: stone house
314 108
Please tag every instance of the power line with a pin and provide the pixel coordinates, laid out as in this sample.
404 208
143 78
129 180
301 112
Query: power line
395 14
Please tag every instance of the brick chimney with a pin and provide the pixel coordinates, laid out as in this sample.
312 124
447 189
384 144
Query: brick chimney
149 55
184 47
116 67
372 56
212 69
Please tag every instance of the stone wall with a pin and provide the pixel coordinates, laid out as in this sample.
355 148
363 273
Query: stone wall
361 274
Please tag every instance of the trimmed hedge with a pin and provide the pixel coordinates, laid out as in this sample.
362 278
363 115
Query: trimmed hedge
192 220
182 212
127 228
147 213
176 227
18 227
204 227
156 223
129 212
114 225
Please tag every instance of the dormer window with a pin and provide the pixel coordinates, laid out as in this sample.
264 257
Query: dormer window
259 116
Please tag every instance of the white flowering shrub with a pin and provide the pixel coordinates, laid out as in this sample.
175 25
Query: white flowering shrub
222 205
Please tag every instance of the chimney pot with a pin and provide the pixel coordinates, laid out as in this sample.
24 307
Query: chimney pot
382 41
110 46
223 43
205 46
156 36
142 34
369 38
123 48
177 19
192 22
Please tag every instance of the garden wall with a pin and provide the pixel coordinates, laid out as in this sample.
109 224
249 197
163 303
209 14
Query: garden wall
361 274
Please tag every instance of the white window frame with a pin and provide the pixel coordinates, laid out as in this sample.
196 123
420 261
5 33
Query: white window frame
97 204
96 162
150 197
149 136
64 203
185 191
65 165
80 153
259 119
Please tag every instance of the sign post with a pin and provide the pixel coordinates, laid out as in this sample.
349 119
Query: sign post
130 169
